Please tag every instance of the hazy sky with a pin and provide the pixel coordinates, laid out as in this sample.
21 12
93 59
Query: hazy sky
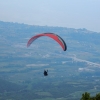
67 13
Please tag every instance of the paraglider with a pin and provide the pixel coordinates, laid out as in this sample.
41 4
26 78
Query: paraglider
57 38
45 73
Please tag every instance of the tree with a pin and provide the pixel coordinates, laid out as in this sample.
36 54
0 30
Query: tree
85 96
97 96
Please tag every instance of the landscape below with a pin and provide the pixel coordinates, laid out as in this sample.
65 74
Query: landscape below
71 72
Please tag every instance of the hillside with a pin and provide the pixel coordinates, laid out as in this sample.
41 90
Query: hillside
70 73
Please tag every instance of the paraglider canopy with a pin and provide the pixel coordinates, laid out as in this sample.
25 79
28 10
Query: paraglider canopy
57 38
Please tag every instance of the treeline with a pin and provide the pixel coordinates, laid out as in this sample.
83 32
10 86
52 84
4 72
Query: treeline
87 96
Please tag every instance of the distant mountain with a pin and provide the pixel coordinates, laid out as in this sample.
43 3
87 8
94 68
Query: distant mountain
20 65
85 39
82 43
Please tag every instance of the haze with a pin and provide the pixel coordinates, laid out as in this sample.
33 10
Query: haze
64 13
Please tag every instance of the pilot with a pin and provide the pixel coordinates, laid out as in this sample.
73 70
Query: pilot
45 73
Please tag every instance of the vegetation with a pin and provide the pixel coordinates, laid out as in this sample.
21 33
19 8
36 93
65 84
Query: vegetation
86 96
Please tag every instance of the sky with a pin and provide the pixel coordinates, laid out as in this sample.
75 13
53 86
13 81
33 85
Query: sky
64 13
